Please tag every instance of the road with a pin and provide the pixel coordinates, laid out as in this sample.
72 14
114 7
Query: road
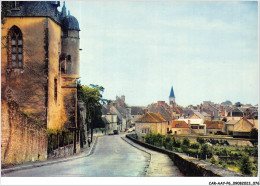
112 157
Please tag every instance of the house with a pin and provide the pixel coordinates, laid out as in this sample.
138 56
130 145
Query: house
161 109
177 112
214 127
110 117
39 73
235 114
200 115
196 125
239 128
180 127
136 113
150 122
212 109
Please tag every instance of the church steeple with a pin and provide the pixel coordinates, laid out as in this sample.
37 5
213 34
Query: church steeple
172 97
63 10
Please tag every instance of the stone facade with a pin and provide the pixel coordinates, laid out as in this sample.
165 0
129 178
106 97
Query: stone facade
151 123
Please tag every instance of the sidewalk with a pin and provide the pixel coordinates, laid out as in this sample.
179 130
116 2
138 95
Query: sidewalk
160 164
28 165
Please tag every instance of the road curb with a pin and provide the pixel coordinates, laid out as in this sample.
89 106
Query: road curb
77 156
149 162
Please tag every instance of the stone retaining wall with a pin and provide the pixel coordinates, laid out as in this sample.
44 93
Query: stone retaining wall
65 151
190 166
22 138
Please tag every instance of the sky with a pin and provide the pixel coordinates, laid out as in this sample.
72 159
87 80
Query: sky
208 51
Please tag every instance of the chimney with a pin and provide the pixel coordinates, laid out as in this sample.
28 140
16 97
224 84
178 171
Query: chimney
108 108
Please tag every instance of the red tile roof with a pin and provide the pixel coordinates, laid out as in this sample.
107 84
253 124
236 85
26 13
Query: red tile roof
214 126
150 117
179 124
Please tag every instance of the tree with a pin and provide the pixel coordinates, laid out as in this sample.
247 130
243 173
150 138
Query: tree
238 104
200 140
227 103
186 142
245 165
253 134
205 151
92 97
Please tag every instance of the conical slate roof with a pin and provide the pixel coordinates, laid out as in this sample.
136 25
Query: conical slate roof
70 23
172 93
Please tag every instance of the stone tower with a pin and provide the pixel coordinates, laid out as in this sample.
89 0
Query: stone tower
172 97
69 65
70 44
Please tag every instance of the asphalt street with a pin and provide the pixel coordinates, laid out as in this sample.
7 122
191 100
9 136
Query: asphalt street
112 157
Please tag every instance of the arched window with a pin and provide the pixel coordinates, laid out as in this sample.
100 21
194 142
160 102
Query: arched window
15 48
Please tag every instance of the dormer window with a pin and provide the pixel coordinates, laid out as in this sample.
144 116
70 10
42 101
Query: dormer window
15 48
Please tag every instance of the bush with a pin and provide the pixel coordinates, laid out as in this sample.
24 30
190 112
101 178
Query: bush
177 143
205 151
200 140
253 134
158 141
245 166
186 142
255 151
223 152
168 143
154 139
195 146
213 160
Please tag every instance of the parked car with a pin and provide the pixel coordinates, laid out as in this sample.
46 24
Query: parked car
110 133
116 132
130 130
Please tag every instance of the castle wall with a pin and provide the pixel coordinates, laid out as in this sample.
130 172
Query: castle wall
26 86
33 85
56 110
70 46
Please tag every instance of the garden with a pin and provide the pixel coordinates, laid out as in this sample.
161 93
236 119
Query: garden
218 152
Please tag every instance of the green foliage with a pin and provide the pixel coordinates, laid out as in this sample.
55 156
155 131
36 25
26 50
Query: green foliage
245 166
238 104
58 138
154 139
213 160
200 140
177 143
205 151
186 142
92 97
168 143
195 146
185 148
149 138
253 134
